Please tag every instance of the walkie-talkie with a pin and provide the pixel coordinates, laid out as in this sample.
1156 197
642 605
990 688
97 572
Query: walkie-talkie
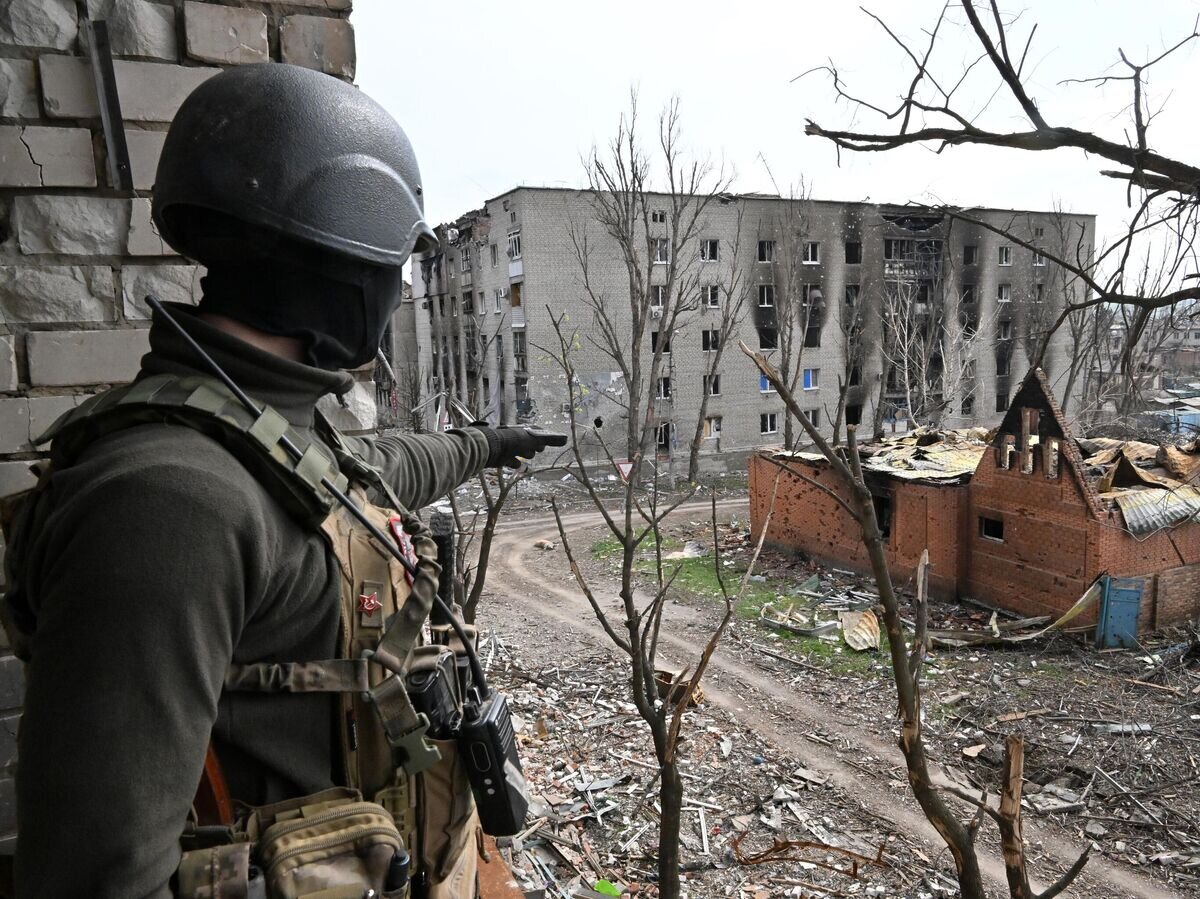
488 746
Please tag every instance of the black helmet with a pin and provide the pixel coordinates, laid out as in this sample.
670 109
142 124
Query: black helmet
296 153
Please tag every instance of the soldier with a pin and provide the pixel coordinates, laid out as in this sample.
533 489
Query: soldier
189 600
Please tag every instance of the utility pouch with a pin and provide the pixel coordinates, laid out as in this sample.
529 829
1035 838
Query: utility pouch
332 845
219 872
449 828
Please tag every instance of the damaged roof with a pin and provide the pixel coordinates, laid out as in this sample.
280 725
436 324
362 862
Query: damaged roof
1154 486
933 456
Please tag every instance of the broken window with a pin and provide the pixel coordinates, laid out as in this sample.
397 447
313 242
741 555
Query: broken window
1001 398
812 252
663 435
658 338
495 255
895 248
662 251
853 252
765 386
767 423
854 413
812 335
968 404
855 376
1039 292
658 296
1004 257
812 378
991 528
852 294
514 244
766 251
1004 330
1039 258
710 296
970 254
464 259
520 354
883 514
1005 451
710 249
968 293
712 427
1002 364
662 389
658 216
768 339
1039 231
814 416
712 385
766 294
1003 293
710 339
1051 456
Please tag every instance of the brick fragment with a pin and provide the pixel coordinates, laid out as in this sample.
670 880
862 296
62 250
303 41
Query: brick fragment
318 42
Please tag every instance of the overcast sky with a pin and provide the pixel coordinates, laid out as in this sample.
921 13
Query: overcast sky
495 94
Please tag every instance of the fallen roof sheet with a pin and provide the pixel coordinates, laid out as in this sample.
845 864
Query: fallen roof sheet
1149 510
920 455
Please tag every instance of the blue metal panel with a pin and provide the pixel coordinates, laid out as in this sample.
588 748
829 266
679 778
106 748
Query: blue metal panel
1119 610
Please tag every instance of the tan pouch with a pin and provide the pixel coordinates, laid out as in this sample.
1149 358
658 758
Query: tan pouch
330 848
218 872
449 826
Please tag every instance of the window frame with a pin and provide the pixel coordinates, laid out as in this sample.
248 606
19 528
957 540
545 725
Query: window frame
764 385
711 381
811 379
464 259
514 244
662 388
858 245
1004 254
769 247
766 291
710 340
662 251
768 423
984 521
710 296
712 427
971 249
710 249
813 258
1004 293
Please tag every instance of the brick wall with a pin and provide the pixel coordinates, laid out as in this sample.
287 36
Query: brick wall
1177 598
77 255
805 518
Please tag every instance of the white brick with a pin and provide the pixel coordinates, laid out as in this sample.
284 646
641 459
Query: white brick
15 477
150 91
170 283
45 411
49 24
144 149
37 156
56 293
225 34
318 42
14 424
17 168
358 414
332 5
88 226
143 235
138 28
18 89
70 358
8 364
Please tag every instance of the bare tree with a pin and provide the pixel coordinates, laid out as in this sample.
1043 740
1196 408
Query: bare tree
854 496
1163 193
731 293
472 575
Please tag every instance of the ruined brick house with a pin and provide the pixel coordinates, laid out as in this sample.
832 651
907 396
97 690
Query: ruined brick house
1023 521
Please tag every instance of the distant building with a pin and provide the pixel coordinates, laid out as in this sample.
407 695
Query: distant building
1023 522
480 313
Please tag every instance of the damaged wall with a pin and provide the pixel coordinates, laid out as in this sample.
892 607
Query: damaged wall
77 255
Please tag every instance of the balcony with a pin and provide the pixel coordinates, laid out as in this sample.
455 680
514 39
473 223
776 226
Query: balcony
518 316
516 269
913 268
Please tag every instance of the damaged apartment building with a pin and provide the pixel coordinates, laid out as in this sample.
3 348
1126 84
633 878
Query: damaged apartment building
1025 519
481 301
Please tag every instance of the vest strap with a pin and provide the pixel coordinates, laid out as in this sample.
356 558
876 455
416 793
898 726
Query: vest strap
326 676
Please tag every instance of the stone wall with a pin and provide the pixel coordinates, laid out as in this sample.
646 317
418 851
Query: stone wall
77 255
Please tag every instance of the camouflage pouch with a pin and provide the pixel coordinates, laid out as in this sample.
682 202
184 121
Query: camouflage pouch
219 872
332 846
450 836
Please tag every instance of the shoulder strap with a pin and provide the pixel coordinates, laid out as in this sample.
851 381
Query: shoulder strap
206 405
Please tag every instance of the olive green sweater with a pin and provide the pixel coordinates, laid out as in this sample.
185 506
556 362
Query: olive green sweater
161 562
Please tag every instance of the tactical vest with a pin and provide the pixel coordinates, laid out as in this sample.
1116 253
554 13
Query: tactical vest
387 758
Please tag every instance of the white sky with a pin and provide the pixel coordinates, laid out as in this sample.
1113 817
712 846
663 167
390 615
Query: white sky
495 94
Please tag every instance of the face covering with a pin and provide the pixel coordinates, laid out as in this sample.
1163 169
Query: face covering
338 308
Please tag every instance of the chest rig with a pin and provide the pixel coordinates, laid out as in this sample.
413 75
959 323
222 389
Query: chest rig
387 756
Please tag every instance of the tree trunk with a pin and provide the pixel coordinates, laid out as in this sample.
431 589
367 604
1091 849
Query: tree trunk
671 798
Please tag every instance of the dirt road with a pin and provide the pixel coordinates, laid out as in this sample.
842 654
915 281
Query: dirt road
533 593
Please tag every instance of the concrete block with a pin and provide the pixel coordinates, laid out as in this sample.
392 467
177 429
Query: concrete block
15 477
14 424
144 149
18 89
143 235
45 411
86 226
331 5
170 283
318 42
359 413
225 34
59 157
150 91
139 28
71 358
46 24
8 364
56 293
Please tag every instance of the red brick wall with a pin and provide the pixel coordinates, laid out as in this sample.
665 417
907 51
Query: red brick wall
1178 595
1044 563
1169 553
809 520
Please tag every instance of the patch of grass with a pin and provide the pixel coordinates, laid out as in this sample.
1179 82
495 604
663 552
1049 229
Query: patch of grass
608 548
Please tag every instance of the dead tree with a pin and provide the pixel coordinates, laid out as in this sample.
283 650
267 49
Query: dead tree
1163 193
854 496
410 396
732 292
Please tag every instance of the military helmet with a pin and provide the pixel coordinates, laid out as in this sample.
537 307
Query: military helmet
292 152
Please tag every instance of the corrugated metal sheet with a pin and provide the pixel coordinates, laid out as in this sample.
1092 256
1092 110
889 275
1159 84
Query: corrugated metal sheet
1150 510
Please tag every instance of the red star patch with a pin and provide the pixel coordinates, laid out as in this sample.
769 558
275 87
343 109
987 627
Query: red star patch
369 602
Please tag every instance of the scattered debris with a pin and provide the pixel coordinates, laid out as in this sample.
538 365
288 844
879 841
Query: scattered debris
860 630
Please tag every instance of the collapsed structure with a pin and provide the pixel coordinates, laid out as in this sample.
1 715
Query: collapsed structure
1023 519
